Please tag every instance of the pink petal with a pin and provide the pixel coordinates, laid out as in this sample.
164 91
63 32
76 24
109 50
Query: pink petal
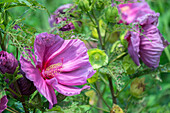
69 90
76 67
131 11
34 75
45 45
133 45
152 46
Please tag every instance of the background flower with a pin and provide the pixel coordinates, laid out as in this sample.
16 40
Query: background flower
144 40
3 103
8 63
56 18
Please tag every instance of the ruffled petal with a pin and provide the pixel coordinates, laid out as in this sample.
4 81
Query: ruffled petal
76 67
151 46
68 90
45 45
34 75
133 45
131 11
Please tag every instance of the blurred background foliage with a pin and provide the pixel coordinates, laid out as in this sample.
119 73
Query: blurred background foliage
157 97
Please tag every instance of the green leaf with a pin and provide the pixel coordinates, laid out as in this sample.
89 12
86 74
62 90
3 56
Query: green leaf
57 109
129 65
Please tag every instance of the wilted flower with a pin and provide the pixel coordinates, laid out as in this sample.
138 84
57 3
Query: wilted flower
56 19
116 109
8 63
137 87
3 103
150 44
60 64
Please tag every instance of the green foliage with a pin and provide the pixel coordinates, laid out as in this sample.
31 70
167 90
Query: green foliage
129 65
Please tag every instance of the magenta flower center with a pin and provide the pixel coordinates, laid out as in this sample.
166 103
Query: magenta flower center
52 70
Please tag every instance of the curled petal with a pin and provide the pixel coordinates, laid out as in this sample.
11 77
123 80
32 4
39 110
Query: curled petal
133 45
34 75
45 45
151 46
76 67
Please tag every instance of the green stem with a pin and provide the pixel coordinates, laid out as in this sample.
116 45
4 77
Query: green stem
128 103
12 109
91 18
105 33
98 31
17 53
98 91
18 95
119 56
101 109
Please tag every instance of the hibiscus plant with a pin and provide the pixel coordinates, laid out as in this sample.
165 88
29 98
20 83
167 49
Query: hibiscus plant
83 56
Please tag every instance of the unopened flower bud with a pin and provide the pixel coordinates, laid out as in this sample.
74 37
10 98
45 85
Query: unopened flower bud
84 5
8 63
100 4
111 14
137 87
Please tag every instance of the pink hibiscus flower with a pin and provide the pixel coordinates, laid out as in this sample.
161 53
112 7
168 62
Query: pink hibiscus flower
148 46
60 65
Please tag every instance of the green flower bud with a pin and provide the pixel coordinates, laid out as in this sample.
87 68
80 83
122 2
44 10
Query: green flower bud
137 87
101 27
111 14
122 39
84 5
100 4
97 58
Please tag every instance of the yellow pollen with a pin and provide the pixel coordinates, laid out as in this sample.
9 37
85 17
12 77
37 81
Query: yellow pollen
125 8
53 69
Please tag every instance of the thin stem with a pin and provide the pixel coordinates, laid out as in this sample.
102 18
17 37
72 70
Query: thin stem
12 109
119 56
111 89
91 18
98 91
89 44
101 109
17 53
105 33
128 103
14 92
98 31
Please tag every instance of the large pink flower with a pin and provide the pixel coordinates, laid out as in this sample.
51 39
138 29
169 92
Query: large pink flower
146 41
60 65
